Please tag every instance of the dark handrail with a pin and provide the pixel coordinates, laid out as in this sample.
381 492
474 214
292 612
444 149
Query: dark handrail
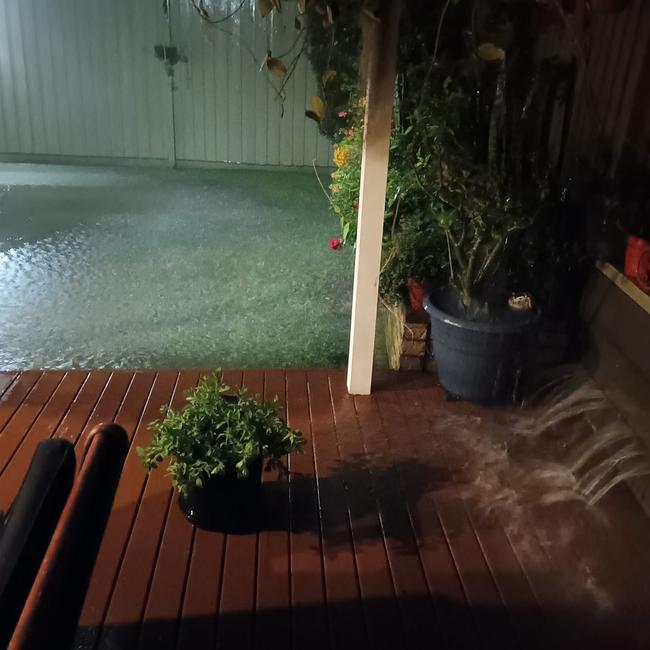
29 525
52 610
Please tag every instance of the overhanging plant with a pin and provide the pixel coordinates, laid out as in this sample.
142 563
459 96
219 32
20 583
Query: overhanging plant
215 434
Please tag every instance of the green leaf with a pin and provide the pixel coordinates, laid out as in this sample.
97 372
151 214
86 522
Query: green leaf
212 433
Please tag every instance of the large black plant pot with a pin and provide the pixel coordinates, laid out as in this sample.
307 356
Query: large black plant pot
226 503
478 360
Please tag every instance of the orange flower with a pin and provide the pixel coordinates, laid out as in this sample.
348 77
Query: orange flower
341 156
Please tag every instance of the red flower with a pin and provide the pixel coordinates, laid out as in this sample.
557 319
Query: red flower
335 243
343 113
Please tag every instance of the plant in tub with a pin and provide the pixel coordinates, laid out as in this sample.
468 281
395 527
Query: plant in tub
216 446
483 156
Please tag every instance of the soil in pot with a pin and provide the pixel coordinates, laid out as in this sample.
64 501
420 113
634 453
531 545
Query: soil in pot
480 357
226 503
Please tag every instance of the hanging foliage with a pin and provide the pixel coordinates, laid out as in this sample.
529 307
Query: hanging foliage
470 169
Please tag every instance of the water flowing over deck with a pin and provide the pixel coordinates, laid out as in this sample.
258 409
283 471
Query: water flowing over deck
386 535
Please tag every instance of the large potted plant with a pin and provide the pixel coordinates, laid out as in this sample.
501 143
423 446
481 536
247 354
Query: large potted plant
481 157
216 447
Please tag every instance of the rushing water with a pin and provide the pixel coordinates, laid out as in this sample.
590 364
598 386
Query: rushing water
567 443
167 269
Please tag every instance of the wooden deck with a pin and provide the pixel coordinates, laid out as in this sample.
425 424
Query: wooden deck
373 543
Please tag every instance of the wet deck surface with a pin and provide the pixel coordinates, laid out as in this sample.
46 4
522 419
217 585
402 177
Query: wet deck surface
375 542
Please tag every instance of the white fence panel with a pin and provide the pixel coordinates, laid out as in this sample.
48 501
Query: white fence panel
81 78
78 78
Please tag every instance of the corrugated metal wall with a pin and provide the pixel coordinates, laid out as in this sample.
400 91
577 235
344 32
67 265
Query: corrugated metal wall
226 109
616 47
80 78
610 123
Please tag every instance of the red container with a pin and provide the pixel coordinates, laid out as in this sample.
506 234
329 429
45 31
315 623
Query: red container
637 262
416 294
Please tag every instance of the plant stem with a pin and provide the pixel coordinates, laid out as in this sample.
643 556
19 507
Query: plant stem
451 264
468 279
205 16
458 252
327 196
489 260
392 228
425 83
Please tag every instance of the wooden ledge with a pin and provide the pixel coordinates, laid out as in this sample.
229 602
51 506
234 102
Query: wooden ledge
626 285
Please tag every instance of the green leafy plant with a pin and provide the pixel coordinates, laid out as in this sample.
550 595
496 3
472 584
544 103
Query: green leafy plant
214 434
412 238
481 111
476 207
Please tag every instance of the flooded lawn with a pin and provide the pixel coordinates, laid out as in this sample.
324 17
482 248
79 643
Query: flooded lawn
159 268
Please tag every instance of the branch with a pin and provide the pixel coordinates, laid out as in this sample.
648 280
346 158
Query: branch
422 187
389 258
433 196
392 228
451 263
425 83
293 45
489 260
463 234
203 12
291 69
458 252
327 196
471 262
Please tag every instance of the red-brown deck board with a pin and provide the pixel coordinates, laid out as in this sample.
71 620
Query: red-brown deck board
371 543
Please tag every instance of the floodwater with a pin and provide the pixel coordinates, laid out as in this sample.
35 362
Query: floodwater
160 268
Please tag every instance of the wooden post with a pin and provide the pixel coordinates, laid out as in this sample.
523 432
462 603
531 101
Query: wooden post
379 60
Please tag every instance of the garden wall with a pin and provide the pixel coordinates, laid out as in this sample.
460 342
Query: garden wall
610 123
617 316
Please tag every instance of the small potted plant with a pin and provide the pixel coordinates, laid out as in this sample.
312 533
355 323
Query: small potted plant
216 447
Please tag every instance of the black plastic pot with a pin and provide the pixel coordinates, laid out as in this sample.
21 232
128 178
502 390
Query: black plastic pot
226 503
479 361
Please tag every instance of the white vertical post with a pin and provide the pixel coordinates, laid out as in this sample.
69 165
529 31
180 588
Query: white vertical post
379 59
